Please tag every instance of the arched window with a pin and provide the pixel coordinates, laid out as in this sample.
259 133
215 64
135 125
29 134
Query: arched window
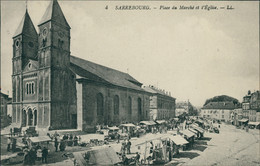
35 117
27 88
100 104
116 105
30 88
33 88
129 105
139 106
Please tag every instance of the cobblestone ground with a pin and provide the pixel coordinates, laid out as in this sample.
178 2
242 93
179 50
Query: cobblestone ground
232 147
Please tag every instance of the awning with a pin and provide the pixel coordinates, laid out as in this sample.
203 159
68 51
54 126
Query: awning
102 156
192 130
187 133
178 140
113 128
128 125
149 123
160 121
40 139
254 123
199 129
243 120
200 121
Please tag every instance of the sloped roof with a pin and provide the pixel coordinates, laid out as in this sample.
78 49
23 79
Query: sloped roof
155 91
26 26
54 12
220 105
112 76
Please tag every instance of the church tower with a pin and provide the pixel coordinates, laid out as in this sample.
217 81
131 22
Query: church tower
25 43
54 62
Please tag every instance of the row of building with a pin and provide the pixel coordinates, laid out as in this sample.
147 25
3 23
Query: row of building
246 112
54 90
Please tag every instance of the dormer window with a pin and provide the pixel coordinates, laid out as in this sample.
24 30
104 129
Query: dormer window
17 43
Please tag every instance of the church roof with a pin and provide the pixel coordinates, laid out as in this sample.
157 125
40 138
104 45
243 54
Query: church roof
112 76
54 12
26 26
153 90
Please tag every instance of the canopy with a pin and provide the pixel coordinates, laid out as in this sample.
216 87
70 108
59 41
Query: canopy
192 130
128 125
200 121
177 139
199 129
40 139
102 156
160 121
254 123
149 123
113 128
187 133
243 120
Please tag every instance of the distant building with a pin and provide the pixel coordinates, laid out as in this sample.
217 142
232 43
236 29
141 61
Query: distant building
5 100
183 107
162 105
251 106
218 110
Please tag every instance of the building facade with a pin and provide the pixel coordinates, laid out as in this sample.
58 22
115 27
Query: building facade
54 90
184 107
251 106
5 100
218 110
162 105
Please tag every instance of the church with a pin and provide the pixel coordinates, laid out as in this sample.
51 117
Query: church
54 90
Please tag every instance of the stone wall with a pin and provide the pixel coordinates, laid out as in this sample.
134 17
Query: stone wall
89 105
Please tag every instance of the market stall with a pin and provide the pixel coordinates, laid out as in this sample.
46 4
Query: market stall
199 129
128 128
42 141
189 136
101 156
253 125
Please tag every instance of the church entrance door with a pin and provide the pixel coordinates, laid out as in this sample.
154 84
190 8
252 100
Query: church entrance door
30 117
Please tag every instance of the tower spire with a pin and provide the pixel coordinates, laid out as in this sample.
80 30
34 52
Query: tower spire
26 5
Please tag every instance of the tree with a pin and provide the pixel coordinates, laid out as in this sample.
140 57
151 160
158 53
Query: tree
222 98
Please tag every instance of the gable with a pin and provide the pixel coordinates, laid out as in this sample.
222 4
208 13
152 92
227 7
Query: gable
31 66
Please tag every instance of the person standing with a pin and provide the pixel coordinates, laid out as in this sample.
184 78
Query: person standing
56 144
44 155
9 144
123 147
11 132
137 158
39 154
118 137
128 146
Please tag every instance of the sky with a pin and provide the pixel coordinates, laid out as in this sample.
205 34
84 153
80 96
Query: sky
194 54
